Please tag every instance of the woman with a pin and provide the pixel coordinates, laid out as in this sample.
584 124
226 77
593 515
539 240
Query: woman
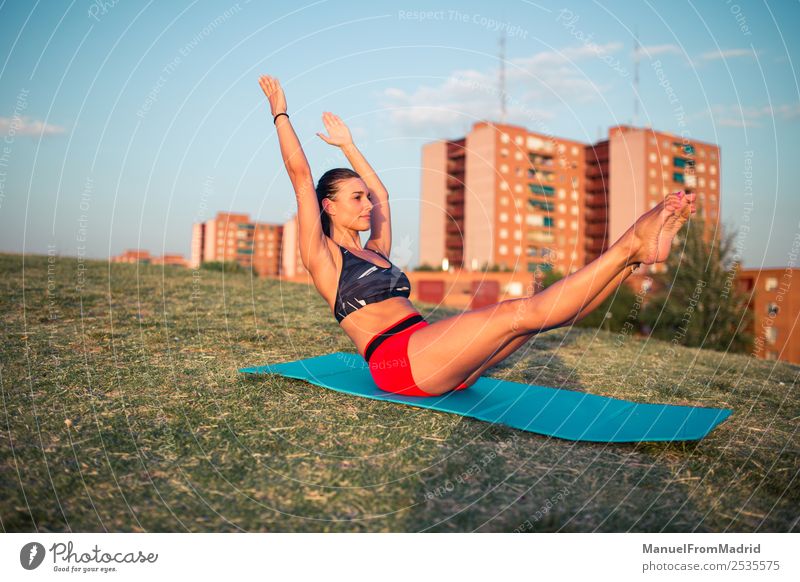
368 295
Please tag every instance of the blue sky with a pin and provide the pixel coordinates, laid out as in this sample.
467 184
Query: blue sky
123 122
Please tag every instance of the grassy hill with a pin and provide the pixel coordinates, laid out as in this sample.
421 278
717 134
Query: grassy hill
123 411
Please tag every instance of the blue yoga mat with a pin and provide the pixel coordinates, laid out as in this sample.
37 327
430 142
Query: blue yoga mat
554 412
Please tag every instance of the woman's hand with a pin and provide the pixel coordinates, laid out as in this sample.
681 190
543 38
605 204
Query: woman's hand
274 92
338 134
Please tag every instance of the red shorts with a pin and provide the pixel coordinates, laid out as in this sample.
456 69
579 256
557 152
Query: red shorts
387 355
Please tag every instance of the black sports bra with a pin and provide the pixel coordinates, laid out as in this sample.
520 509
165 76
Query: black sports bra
362 283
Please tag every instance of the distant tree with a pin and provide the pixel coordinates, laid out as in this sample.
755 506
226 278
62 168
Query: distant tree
621 307
699 303
425 267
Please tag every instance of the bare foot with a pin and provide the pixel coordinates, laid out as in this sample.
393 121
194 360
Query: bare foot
651 235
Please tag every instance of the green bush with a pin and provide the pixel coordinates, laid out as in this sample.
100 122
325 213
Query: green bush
228 267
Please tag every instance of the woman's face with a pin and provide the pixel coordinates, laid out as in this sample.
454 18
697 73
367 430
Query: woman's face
353 205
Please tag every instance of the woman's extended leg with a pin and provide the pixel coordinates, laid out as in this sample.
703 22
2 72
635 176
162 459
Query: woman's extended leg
515 343
470 340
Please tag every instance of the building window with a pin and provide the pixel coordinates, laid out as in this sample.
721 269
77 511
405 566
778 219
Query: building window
503 217
504 168
548 221
546 206
771 284
542 190
677 177
503 233
503 250
771 335
772 309
504 201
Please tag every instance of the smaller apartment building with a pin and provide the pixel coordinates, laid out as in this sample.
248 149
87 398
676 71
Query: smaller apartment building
775 303
234 237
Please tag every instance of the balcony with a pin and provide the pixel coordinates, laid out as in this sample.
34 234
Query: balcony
596 199
455 182
594 171
455 149
455 212
596 214
594 245
597 229
454 243
455 197
455 166
454 229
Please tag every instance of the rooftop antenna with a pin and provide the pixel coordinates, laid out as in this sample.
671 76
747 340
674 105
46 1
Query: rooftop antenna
503 77
636 78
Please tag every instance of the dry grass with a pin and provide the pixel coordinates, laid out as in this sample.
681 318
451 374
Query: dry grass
123 411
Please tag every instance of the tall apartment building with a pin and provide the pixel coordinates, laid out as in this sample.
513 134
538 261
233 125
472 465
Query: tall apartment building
631 172
775 304
503 196
234 237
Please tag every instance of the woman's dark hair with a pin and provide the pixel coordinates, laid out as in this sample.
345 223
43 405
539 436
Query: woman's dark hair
327 187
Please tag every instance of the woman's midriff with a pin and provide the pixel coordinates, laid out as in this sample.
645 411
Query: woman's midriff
362 325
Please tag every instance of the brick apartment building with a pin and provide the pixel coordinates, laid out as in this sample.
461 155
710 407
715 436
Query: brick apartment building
144 257
775 303
631 171
505 196
234 237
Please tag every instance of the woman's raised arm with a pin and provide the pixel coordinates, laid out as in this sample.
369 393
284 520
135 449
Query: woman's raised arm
312 239
381 219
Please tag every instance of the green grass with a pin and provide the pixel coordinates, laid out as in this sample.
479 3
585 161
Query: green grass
165 435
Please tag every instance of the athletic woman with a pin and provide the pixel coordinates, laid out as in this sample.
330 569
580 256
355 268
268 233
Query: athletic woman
368 295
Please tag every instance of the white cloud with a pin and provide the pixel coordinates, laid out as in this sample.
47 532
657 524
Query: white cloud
660 49
535 86
727 54
738 116
27 126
